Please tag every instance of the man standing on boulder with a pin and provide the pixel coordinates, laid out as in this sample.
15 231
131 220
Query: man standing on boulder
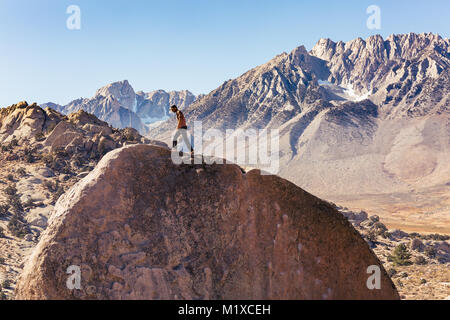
181 129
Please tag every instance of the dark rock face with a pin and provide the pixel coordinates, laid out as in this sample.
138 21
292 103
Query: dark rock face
140 227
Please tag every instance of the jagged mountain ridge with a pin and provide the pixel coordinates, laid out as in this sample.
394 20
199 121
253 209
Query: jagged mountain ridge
372 115
400 72
290 84
119 105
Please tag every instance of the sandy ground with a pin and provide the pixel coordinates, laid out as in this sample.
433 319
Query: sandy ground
427 211
430 282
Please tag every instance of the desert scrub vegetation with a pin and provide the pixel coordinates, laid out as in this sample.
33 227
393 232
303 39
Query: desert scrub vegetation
58 193
420 260
40 136
14 199
6 284
57 161
18 227
14 142
392 272
52 186
48 184
11 190
433 236
16 204
400 256
372 236
430 252
21 172
78 161
4 210
55 188
436 237
386 235
28 155
47 159
2 235
9 146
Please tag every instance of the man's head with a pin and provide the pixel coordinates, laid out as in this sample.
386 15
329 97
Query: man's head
174 108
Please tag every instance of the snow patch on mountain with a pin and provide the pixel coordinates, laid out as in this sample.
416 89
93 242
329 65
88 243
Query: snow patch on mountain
349 91
345 92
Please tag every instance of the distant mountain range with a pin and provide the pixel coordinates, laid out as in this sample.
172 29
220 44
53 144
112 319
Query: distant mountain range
356 119
119 105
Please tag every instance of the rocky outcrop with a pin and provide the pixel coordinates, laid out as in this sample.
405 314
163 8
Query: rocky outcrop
80 133
23 121
140 227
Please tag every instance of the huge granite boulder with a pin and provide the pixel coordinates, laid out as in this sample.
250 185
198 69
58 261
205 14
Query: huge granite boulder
140 227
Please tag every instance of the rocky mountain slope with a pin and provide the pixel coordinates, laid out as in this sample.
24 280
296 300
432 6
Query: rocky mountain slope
43 153
119 105
406 74
359 122
138 230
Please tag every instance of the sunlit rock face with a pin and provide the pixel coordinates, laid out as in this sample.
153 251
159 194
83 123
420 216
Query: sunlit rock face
140 227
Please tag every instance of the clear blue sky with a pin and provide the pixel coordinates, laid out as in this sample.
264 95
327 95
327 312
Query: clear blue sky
173 45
